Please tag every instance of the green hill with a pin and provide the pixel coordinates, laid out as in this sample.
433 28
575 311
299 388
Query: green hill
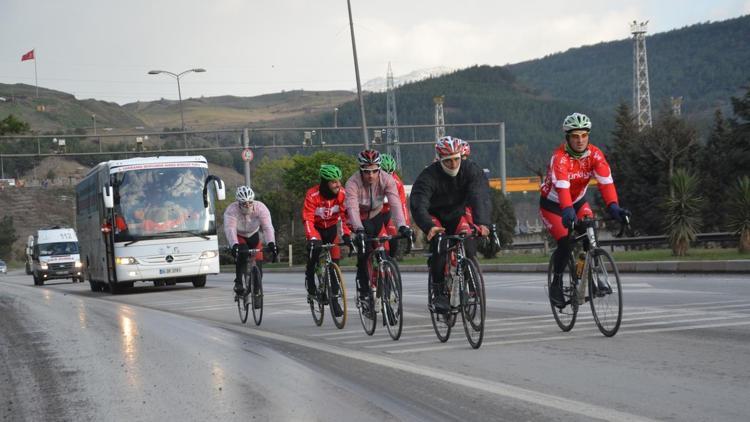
704 63
56 111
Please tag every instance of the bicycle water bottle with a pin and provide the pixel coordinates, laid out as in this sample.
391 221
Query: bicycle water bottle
580 264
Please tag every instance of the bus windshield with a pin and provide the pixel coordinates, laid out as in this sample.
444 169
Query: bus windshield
154 202
58 248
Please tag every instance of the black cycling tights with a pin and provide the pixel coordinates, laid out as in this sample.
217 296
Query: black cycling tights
562 254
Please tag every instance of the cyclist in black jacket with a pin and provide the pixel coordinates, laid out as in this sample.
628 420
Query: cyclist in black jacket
439 200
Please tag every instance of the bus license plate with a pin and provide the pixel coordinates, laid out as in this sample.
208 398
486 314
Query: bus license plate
169 270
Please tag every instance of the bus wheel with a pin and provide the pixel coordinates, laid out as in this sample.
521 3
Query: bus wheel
199 281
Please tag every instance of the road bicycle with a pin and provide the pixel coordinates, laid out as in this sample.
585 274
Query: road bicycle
331 288
590 275
252 288
385 293
464 287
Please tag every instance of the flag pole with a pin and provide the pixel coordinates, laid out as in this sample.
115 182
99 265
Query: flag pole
36 80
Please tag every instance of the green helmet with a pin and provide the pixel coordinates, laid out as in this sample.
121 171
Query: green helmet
387 163
330 172
576 121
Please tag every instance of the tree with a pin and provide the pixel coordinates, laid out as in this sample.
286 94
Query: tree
504 218
12 125
682 209
671 140
739 214
7 237
633 169
714 172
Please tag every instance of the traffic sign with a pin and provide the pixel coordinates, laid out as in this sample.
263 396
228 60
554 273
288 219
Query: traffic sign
247 154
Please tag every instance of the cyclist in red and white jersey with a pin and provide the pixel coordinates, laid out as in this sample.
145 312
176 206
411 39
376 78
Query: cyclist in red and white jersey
323 208
563 193
388 164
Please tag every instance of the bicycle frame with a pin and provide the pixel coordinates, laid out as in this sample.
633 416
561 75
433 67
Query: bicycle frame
375 262
453 281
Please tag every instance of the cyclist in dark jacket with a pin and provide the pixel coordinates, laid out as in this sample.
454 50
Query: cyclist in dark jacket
439 200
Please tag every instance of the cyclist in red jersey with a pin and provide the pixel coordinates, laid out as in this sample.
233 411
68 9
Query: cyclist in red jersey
388 165
563 193
321 212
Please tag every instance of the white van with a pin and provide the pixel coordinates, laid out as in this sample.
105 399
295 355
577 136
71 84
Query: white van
55 255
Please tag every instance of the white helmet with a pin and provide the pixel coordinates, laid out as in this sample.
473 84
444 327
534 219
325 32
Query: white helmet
245 194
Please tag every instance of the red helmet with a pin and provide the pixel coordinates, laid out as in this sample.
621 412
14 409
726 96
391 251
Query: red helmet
448 145
467 148
369 157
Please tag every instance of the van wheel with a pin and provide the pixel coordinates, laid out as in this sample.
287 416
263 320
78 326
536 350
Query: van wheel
96 286
28 269
199 281
37 280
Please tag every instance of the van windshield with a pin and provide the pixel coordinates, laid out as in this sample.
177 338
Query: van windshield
159 201
58 248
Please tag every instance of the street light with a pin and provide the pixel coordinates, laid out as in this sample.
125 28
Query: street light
335 117
179 92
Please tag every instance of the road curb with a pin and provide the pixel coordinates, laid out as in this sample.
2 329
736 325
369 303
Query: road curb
728 266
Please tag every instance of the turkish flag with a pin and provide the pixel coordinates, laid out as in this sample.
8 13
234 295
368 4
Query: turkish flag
28 56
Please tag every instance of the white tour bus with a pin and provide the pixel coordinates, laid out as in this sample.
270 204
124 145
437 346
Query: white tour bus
148 219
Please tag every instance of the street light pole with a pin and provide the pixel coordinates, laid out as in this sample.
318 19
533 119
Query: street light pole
179 94
356 72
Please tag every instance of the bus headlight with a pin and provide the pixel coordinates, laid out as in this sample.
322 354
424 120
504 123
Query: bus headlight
209 254
43 265
125 260
78 264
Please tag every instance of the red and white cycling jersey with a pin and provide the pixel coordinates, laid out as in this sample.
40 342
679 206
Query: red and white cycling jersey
322 212
402 196
567 177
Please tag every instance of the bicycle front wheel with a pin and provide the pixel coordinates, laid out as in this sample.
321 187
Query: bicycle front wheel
392 303
605 292
243 305
473 305
336 295
565 317
257 295
441 322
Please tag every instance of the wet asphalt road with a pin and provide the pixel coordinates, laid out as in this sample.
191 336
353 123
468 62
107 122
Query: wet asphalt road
177 352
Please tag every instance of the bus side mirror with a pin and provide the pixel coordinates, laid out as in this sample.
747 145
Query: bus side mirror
109 200
221 193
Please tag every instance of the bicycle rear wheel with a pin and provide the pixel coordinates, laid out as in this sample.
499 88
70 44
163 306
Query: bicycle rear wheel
243 305
257 295
336 294
441 323
392 303
565 317
473 305
605 292
317 309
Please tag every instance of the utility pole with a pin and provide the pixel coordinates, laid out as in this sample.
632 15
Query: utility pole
359 85
439 117
391 137
641 94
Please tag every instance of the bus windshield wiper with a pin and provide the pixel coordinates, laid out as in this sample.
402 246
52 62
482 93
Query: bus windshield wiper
191 232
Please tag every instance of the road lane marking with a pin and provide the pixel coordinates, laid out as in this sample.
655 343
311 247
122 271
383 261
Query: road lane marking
494 387
570 337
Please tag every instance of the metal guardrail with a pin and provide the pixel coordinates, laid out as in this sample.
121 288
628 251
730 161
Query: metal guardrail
641 240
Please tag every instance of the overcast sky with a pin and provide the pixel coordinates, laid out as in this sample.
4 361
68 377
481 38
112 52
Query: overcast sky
103 48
